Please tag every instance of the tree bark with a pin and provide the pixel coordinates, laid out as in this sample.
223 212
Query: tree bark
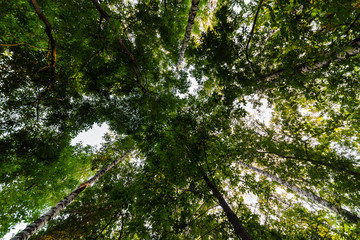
348 215
233 219
40 222
191 19
305 68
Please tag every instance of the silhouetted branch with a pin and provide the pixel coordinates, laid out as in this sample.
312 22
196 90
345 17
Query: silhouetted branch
251 34
123 46
352 24
29 187
48 30
112 219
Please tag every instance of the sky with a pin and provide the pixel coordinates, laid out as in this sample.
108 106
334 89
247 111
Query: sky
14 230
93 136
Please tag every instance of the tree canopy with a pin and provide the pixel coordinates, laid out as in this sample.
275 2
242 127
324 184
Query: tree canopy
182 84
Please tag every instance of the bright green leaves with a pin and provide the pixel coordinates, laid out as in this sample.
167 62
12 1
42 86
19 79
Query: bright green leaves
29 174
312 141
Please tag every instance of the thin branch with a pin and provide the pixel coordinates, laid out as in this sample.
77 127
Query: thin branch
122 227
123 46
85 65
251 34
11 44
138 81
112 219
29 187
206 233
191 222
48 30
306 152
17 44
352 24
206 160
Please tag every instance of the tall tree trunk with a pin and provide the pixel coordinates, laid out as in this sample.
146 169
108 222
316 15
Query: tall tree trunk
348 215
327 225
191 19
334 166
304 68
233 219
40 222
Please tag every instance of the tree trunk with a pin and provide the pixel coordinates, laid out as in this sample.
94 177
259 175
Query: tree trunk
191 19
304 68
233 219
40 222
327 225
348 215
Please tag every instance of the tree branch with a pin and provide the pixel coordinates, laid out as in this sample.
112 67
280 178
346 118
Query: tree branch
29 187
123 46
251 34
122 227
102 12
211 230
112 219
352 24
48 30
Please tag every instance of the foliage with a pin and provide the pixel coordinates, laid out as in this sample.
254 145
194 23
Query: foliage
119 68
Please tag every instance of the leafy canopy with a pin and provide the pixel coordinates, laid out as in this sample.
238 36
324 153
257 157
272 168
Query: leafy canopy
118 68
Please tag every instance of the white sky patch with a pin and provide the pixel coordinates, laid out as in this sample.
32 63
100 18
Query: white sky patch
13 231
93 136
194 86
237 8
262 112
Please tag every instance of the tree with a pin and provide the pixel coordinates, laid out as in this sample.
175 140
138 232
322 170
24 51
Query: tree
37 224
305 193
192 15
66 66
